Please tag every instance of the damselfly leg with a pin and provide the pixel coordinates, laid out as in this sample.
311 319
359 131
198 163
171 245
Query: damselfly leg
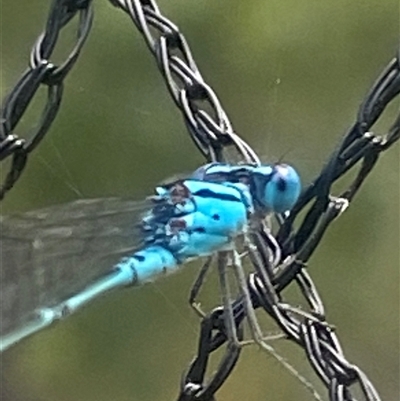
256 332
194 291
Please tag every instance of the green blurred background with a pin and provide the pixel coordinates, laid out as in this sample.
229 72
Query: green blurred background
291 75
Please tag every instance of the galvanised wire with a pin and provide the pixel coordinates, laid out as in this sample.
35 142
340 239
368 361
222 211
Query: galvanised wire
278 259
41 72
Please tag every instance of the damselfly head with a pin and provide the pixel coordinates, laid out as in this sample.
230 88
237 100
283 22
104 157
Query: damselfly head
282 189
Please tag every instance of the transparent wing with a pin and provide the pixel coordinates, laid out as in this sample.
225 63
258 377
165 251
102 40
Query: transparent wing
50 254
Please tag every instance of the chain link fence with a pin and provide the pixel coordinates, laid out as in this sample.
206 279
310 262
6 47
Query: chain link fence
280 260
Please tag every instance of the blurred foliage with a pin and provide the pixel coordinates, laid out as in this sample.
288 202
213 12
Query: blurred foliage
291 75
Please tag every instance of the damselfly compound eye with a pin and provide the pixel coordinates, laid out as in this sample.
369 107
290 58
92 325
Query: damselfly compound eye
282 189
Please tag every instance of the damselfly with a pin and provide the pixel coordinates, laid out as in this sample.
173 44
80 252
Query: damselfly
56 260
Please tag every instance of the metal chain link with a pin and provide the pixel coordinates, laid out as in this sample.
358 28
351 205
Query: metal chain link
41 71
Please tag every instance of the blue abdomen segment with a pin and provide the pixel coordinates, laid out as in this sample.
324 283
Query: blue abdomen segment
148 263
134 270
